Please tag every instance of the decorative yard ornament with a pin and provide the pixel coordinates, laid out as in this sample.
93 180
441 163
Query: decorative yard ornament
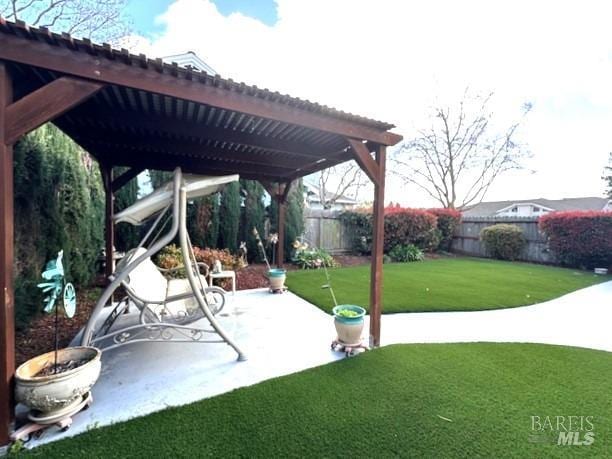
273 239
217 267
56 385
276 276
54 274
261 247
56 287
242 253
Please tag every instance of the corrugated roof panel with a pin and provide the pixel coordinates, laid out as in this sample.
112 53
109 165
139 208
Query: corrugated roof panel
85 46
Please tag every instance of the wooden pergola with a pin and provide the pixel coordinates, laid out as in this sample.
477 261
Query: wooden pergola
129 110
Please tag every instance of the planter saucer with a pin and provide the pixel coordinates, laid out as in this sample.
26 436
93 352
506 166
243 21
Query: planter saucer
53 417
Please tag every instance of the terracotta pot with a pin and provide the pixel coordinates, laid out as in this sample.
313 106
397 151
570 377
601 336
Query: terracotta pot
349 328
53 394
277 278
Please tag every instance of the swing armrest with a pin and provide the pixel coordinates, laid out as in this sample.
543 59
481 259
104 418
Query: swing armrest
186 295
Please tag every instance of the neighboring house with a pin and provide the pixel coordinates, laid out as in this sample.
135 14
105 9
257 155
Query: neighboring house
312 199
190 60
536 207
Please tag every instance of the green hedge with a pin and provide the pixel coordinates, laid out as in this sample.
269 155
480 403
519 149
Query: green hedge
59 205
503 241
580 238
402 227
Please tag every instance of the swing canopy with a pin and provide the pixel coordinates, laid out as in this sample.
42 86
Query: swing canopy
196 186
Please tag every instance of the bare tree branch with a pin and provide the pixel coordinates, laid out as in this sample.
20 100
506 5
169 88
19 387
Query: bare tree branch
457 160
341 181
98 20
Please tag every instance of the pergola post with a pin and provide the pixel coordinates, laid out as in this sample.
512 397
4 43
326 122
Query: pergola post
7 300
109 227
376 270
282 214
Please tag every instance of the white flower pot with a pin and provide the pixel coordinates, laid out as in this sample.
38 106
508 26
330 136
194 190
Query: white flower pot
49 397
277 279
349 329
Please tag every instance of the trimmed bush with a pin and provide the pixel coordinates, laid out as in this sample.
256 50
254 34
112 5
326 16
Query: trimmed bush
171 256
503 241
581 238
360 223
314 259
402 226
406 253
411 226
448 222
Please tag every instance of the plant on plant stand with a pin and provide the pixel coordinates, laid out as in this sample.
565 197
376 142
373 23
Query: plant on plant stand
56 385
276 276
348 318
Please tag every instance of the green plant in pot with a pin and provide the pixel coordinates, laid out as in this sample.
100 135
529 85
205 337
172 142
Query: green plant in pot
56 384
348 318
276 276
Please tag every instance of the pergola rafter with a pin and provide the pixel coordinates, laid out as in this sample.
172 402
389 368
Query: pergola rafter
131 111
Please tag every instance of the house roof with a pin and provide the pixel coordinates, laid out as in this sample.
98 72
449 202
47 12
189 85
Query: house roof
190 59
152 114
489 209
313 193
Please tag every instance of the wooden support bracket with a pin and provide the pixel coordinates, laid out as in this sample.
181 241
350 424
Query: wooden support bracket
124 178
45 104
362 155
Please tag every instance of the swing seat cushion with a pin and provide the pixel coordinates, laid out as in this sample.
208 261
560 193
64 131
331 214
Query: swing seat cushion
149 284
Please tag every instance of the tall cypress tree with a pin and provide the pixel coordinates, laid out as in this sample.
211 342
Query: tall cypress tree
229 217
203 221
126 236
294 217
58 206
202 214
253 216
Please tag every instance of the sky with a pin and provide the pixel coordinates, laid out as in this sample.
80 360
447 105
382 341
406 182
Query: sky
393 60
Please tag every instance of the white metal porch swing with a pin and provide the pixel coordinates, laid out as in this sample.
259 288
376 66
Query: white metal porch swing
174 310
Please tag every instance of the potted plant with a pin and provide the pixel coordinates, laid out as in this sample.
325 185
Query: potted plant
276 276
57 384
348 318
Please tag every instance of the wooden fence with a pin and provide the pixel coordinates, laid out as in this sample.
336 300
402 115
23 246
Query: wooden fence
325 230
467 237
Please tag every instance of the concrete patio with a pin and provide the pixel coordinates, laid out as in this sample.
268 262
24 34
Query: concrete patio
283 334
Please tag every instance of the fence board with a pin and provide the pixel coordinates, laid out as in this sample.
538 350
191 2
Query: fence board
325 230
467 237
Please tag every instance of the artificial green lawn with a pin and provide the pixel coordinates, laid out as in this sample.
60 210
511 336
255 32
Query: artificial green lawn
444 284
427 400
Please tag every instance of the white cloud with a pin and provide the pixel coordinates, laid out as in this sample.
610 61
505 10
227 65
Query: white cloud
390 59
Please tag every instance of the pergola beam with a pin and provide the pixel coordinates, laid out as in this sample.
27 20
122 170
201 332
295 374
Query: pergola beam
99 68
45 104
